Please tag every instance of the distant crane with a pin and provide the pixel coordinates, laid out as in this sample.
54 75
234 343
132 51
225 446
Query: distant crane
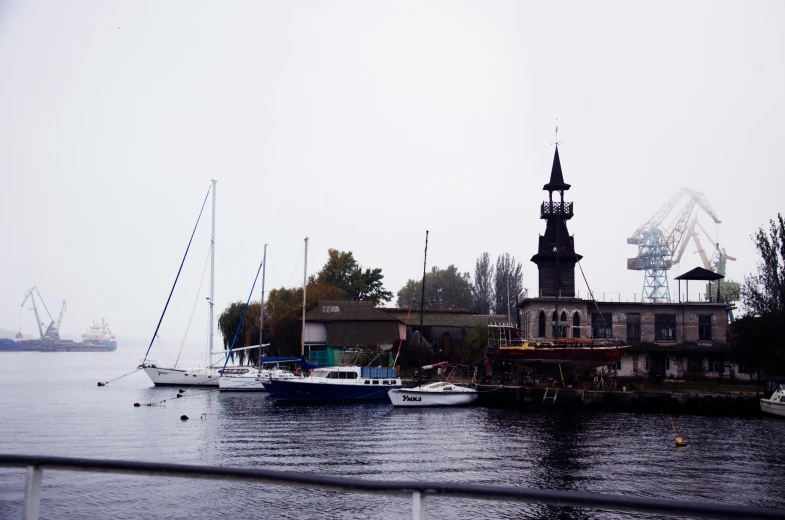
717 263
52 332
657 245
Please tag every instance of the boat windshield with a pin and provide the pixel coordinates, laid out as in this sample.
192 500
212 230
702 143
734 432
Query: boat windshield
336 374
320 373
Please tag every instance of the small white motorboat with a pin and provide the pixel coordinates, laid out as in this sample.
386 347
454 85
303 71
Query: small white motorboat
442 393
240 379
774 404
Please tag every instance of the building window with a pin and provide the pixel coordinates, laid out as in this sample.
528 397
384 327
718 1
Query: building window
618 365
667 362
563 316
704 327
541 330
665 327
576 325
601 325
634 330
647 362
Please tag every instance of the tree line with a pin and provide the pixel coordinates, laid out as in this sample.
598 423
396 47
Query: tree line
756 339
494 290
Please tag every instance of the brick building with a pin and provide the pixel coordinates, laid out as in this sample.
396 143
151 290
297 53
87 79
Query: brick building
679 339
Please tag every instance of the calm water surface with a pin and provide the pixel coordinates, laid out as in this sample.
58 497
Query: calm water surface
50 404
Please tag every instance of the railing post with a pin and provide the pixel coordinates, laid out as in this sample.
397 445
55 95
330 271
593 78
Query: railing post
32 503
418 506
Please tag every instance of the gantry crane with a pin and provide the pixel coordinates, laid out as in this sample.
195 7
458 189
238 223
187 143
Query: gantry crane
717 263
657 244
52 332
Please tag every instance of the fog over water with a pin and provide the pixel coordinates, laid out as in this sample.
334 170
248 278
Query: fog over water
49 404
361 126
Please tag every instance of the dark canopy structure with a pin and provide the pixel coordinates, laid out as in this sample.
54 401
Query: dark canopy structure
699 273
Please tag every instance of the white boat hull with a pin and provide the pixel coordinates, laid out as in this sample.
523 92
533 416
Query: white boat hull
773 408
206 377
411 397
250 383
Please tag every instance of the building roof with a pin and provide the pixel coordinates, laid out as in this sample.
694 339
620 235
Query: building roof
557 180
699 273
445 318
338 310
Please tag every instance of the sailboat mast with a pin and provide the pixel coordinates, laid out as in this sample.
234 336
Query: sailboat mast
212 278
261 312
422 298
305 285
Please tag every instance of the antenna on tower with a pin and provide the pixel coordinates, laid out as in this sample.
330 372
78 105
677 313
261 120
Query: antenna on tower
556 139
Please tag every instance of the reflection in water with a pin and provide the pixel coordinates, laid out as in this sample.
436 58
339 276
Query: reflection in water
49 404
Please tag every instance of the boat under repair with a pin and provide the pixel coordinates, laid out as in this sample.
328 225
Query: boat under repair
507 343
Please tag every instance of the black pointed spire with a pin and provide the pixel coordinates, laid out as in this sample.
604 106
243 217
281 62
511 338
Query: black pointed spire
557 179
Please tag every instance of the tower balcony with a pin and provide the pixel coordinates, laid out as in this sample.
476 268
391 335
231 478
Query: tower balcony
552 209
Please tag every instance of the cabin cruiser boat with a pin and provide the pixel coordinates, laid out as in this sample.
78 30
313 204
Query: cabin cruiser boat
442 393
774 404
240 379
252 379
337 384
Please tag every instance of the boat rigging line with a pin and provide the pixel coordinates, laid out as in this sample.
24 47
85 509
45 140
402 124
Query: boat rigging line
178 275
422 305
242 318
591 293
405 324
196 302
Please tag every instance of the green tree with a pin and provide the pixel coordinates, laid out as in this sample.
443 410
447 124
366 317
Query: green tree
343 272
471 350
764 293
754 342
508 284
229 322
482 291
444 289
756 339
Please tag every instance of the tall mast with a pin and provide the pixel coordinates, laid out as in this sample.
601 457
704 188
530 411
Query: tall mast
261 312
305 285
212 278
422 298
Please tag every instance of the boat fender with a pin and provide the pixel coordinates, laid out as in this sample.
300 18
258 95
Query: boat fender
137 405
101 383
680 443
183 417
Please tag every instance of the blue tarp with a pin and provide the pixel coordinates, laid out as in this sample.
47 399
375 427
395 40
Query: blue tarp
277 359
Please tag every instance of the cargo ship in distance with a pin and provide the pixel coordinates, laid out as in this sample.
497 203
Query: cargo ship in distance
97 338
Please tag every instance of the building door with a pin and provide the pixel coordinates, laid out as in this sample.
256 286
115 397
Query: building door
657 365
634 330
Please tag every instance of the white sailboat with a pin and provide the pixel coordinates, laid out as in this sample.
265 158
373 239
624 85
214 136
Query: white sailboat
201 376
247 379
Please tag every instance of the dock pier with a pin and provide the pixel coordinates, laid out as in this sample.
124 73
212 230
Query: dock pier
617 400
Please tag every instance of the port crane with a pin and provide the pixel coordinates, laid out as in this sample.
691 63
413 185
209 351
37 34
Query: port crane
657 244
717 263
52 332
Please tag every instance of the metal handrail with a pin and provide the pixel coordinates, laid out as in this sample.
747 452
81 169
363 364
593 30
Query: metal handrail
35 465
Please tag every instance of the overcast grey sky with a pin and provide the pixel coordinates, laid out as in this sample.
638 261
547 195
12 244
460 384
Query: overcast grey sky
361 125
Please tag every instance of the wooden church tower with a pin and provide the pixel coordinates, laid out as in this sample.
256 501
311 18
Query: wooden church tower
556 257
